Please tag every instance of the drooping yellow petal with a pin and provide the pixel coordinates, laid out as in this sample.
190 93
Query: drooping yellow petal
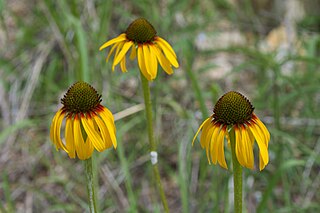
203 123
107 118
263 128
133 53
119 48
220 148
148 61
57 131
120 38
213 144
104 131
109 114
256 131
123 65
208 132
207 139
112 50
238 147
70 144
166 44
258 135
122 53
88 148
152 61
203 142
92 134
251 136
169 53
247 148
164 63
262 164
78 139
142 64
53 127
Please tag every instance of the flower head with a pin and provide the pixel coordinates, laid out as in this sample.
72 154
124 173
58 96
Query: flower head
149 49
88 125
233 110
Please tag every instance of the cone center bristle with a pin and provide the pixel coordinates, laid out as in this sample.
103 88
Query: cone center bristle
81 98
233 108
141 31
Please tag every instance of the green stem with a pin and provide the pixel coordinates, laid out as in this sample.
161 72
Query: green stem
90 185
153 146
237 175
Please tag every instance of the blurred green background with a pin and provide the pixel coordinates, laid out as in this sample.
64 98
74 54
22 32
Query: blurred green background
267 50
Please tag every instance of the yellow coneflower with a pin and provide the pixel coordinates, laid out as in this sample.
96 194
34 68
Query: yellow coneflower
233 110
88 125
149 48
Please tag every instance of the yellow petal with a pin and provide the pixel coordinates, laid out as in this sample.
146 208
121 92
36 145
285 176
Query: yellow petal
166 44
220 148
109 115
112 50
203 142
133 53
122 53
92 134
261 163
258 135
164 63
213 144
53 127
203 123
151 61
147 60
169 53
142 65
247 148
119 48
57 132
107 118
206 136
78 139
257 132
104 131
238 147
88 148
69 138
120 38
123 65
264 129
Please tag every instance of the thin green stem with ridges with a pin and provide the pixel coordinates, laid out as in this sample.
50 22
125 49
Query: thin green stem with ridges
90 185
152 143
237 175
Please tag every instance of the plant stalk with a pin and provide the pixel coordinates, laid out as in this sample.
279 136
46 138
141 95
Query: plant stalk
152 143
90 185
237 175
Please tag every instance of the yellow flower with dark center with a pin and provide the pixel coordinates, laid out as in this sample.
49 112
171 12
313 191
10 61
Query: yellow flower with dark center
149 48
88 125
233 110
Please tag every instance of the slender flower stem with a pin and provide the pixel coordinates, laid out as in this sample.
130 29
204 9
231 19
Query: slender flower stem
90 185
152 143
237 175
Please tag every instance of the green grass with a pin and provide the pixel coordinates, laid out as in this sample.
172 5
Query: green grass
48 45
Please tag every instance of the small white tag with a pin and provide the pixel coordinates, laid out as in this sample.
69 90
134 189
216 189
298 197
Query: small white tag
154 157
